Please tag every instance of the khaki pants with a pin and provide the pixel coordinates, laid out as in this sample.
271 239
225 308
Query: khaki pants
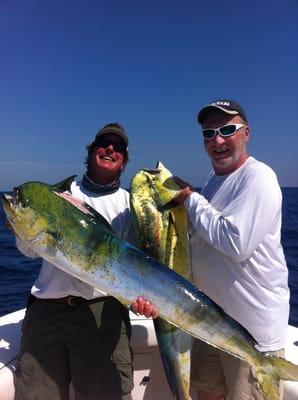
217 372
86 344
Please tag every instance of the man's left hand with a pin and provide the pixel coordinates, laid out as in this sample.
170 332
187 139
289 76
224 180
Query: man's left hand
144 307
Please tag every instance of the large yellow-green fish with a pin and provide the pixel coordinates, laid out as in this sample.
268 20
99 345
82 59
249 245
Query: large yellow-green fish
162 232
80 242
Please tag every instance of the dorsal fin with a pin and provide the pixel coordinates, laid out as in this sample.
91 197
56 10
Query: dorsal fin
63 185
84 207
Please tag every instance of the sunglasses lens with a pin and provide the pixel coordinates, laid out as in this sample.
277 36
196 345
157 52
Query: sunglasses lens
227 130
209 133
119 147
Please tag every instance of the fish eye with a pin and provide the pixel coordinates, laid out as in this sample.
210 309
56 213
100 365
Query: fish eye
19 196
16 192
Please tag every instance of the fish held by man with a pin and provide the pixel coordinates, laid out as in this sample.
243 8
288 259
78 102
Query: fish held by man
80 242
162 232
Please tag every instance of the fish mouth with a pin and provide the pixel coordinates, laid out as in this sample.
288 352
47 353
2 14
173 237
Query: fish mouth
9 207
153 171
9 200
12 201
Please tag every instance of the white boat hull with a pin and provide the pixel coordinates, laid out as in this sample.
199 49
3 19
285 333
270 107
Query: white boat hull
149 379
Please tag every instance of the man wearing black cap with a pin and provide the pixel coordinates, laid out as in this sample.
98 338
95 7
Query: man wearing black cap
237 257
72 332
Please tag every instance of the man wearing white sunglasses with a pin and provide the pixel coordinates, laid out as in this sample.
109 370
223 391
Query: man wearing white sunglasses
237 257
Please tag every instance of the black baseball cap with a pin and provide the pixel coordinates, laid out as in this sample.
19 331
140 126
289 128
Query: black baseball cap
114 128
227 106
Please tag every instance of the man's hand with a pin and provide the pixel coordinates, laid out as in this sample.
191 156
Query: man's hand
186 190
144 307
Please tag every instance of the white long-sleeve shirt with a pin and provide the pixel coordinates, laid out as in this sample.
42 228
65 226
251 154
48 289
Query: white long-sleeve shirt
237 257
55 283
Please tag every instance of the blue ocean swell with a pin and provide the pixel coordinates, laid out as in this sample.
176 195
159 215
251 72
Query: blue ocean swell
289 238
17 272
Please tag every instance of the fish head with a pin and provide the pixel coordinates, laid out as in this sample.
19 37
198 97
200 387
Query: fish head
151 196
33 209
25 218
162 187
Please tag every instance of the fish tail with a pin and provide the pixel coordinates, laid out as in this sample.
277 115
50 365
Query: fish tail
174 347
270 371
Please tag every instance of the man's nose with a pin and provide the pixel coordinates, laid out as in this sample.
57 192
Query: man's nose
219 139
110 147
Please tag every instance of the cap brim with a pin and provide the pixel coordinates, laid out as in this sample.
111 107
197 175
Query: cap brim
115 132
203 112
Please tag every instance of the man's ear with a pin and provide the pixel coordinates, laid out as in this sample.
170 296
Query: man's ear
247 133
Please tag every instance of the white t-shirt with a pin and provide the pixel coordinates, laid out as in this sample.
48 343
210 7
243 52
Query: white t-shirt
237 257
55 283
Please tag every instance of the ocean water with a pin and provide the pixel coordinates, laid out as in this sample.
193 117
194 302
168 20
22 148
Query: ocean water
17 272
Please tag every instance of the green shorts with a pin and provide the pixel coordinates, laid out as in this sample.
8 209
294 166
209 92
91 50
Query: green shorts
86 344
217 372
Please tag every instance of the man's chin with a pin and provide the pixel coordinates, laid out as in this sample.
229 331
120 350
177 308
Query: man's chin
221 166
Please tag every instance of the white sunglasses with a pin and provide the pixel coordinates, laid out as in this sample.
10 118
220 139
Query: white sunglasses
223 131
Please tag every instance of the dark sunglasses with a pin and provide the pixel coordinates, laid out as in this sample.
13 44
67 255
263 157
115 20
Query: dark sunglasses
223 131
119 147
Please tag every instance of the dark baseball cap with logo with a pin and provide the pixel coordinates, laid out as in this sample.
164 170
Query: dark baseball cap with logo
227 106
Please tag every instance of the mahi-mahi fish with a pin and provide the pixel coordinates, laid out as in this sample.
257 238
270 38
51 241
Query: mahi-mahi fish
162 232
76 239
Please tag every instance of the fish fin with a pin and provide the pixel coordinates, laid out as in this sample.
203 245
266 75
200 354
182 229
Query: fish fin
99 217
55 242
63 185
270 371
51 239
85 208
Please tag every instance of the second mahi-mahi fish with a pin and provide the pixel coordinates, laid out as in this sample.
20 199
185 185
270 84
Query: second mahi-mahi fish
162 232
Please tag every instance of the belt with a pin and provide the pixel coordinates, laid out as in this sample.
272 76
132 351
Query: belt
74 300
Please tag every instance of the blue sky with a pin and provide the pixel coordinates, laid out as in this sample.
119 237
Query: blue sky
69 67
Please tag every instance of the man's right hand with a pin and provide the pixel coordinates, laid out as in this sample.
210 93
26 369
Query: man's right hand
186 190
